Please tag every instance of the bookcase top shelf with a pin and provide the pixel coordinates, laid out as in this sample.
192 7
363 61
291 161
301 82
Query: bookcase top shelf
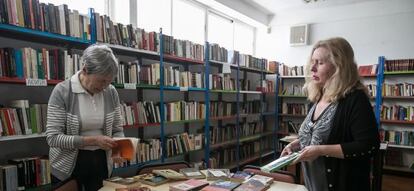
28 34
399 73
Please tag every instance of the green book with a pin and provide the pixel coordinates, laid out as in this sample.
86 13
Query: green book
280 162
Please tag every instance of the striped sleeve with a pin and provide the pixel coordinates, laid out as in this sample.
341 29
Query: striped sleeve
56 125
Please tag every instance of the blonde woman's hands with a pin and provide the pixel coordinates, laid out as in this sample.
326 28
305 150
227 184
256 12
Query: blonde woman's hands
309 153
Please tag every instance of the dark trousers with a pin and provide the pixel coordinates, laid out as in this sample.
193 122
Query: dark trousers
90 170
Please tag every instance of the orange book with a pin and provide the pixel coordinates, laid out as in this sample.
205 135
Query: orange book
124 149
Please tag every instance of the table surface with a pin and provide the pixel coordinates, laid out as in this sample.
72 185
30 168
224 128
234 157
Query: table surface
276 186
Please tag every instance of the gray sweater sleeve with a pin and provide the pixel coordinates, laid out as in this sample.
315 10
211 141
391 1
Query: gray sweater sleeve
58 129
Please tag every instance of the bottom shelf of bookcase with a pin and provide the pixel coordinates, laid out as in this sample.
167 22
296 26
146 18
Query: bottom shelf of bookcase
398 170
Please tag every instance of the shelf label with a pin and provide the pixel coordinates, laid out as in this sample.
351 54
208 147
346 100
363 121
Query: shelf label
130 86
36 82
184 89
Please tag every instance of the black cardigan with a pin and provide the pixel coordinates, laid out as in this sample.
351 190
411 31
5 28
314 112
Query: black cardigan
355 129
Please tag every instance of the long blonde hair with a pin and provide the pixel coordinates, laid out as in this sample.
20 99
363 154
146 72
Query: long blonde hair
343 81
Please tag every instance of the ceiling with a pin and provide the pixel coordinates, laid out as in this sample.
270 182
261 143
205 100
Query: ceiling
274 7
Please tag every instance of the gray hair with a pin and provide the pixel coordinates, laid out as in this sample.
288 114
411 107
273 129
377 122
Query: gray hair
99 59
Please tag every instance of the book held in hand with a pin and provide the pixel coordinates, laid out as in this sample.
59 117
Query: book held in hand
280 162
189 185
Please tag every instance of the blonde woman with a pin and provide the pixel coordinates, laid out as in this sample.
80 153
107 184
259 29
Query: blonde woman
339 135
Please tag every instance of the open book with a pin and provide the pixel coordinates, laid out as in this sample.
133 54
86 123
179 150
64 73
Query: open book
280 162
125 150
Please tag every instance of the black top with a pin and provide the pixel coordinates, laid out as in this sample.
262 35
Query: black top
355 129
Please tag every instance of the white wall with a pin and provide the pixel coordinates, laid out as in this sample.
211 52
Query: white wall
374 28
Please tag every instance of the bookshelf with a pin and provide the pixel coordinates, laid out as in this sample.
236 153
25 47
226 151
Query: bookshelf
160 129
293 105
395 118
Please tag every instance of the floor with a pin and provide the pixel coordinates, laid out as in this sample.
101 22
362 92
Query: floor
397 183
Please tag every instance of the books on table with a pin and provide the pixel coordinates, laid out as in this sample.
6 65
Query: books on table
118 182
280 162
216 174
221 185
151 179
252 185
170 174
189 185
192 173
240 176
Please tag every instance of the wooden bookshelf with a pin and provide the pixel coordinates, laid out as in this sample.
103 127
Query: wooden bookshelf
397 122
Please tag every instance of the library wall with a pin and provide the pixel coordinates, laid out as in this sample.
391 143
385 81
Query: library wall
373 28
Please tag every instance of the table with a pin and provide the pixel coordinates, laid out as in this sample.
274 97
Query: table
276 186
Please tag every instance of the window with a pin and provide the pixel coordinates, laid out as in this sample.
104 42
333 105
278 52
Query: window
188 22
153 14
220 31
121 12
81 5
243 38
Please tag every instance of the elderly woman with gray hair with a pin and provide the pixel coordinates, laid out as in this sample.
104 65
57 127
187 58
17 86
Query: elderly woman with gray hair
82 119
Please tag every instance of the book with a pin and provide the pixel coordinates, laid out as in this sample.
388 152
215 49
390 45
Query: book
252 185
280 162
119 182
151 179
170 174
221 185
263 179
189 185
240 176
192 173
126 148
216 174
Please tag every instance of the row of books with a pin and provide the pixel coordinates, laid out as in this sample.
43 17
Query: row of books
54 64
289 127
183 143
400 89
267 87
183 48
285 70
295 108
222 82
293 90
399 65
397 112
45 17
372 89
254 106
22 118
227 155
229 131
24 173
367 70
398 137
